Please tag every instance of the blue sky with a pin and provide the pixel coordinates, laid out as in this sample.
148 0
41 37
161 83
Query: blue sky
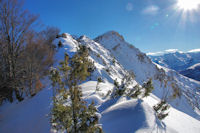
150 25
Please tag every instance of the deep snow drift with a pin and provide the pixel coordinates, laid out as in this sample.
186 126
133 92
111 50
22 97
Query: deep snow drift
117 115
112 57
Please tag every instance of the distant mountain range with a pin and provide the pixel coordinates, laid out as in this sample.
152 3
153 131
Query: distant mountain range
186 63
192 72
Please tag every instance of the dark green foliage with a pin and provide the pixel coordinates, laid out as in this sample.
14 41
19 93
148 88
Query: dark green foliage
113 61
91 67
60 45
123 87
135 92
162 116
141 57
99 79
119 92
116 84
176 91
57 36
70 112
98 55
119 89
107 70
161 109
148 86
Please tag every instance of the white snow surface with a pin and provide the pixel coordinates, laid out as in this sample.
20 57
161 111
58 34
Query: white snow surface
117 115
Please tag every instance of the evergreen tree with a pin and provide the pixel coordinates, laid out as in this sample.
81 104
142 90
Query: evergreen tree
116 84
134 93
70 112
148 86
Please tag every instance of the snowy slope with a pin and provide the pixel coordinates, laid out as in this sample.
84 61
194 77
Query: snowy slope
192 72
116 115
119 114
28 116
132 59
131 115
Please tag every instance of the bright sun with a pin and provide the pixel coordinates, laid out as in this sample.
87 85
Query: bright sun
188 5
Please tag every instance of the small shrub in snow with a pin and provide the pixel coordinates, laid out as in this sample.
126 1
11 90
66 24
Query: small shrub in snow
60 45
161 109
119 92
108 70
116 84
135 93
98 55
64 35
148 86
113 61
176 91
141 57
91 67
99 79
160 75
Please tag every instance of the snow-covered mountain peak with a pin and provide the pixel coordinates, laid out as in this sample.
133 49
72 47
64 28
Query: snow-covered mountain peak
84 37
112 39
164 79
112 34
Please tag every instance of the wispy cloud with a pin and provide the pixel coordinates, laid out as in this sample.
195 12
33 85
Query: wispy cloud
164 52
171 50
155 53
194 50
151 10
129 7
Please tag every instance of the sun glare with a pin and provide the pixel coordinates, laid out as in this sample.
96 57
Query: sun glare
188 5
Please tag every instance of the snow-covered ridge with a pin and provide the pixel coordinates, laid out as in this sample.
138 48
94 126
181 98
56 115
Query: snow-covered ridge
113 58
132 59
